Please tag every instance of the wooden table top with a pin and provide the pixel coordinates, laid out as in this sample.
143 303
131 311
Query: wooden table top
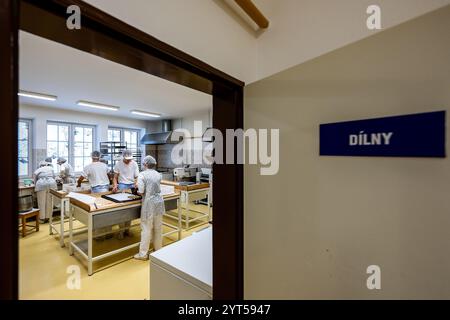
203 185
102 204
26 187
62 194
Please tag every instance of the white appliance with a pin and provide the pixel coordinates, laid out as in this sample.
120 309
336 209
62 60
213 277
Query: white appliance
183 270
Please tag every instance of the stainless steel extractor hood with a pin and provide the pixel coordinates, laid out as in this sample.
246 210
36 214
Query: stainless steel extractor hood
158 138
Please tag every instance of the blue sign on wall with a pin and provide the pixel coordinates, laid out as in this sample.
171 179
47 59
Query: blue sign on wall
415 135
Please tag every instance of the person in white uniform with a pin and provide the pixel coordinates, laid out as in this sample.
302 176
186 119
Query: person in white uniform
44 180
97 174
126 172
149 186
66 174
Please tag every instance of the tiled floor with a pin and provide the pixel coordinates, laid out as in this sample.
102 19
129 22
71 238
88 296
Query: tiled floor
44 269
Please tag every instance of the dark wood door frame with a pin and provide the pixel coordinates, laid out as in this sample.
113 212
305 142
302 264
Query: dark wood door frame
8 122
112 39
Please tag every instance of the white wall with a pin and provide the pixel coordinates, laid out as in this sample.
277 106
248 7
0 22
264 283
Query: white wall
198 27
301 30
40 115
312 230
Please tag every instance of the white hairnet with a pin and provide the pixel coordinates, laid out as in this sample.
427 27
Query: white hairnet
49 159
148 161
127 154
61 160
43 163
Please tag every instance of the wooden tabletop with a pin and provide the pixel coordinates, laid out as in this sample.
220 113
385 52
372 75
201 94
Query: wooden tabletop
191 187
26 187
62 194
102 204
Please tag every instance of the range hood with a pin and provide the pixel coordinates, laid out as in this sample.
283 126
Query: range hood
158 138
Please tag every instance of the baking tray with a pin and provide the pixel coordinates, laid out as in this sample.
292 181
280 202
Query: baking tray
121 197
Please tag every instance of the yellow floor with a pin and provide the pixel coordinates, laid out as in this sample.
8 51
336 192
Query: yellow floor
43 266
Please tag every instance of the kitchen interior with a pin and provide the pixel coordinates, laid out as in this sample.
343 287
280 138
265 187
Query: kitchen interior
71 104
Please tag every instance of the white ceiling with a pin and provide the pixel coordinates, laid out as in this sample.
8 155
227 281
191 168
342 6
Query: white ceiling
72 75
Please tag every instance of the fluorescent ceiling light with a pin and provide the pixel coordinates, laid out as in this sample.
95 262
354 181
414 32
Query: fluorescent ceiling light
97 105
36 95
145 114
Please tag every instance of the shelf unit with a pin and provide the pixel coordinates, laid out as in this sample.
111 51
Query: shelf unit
112 152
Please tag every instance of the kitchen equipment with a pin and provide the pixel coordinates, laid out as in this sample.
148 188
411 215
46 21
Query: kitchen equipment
27 182
186 172
121 197
25 203
186 183
206 176
159 138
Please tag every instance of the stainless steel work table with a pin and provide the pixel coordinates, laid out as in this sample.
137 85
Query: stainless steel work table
106 213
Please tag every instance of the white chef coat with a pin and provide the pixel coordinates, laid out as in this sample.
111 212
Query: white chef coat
66 173
149 185
127 172
96 173
44 178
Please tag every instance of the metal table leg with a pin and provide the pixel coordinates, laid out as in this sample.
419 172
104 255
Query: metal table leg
70 232
64 208
90 245
186 197
180 227
50 221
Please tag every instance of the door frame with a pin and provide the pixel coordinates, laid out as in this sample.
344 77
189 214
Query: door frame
105 36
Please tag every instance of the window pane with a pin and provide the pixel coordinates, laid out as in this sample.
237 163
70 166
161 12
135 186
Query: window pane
78 164
52 132
110 135
87 149
88 135
134 138
23 149
127 137
116 135
78 134
86 161
23 130
63 150
23 167
78 149
52 149
63 133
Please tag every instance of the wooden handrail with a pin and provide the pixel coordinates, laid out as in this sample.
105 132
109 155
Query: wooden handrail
253 12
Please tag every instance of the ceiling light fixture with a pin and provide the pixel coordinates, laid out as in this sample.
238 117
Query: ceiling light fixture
145 114
97 105
36 95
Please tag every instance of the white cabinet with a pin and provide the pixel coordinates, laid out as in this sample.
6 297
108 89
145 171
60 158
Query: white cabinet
183 270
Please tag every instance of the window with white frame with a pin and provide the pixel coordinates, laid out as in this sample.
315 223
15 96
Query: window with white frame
24 148
75 142
130 137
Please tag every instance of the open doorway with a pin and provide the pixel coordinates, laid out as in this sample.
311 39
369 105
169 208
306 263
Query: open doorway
128 110
111 39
